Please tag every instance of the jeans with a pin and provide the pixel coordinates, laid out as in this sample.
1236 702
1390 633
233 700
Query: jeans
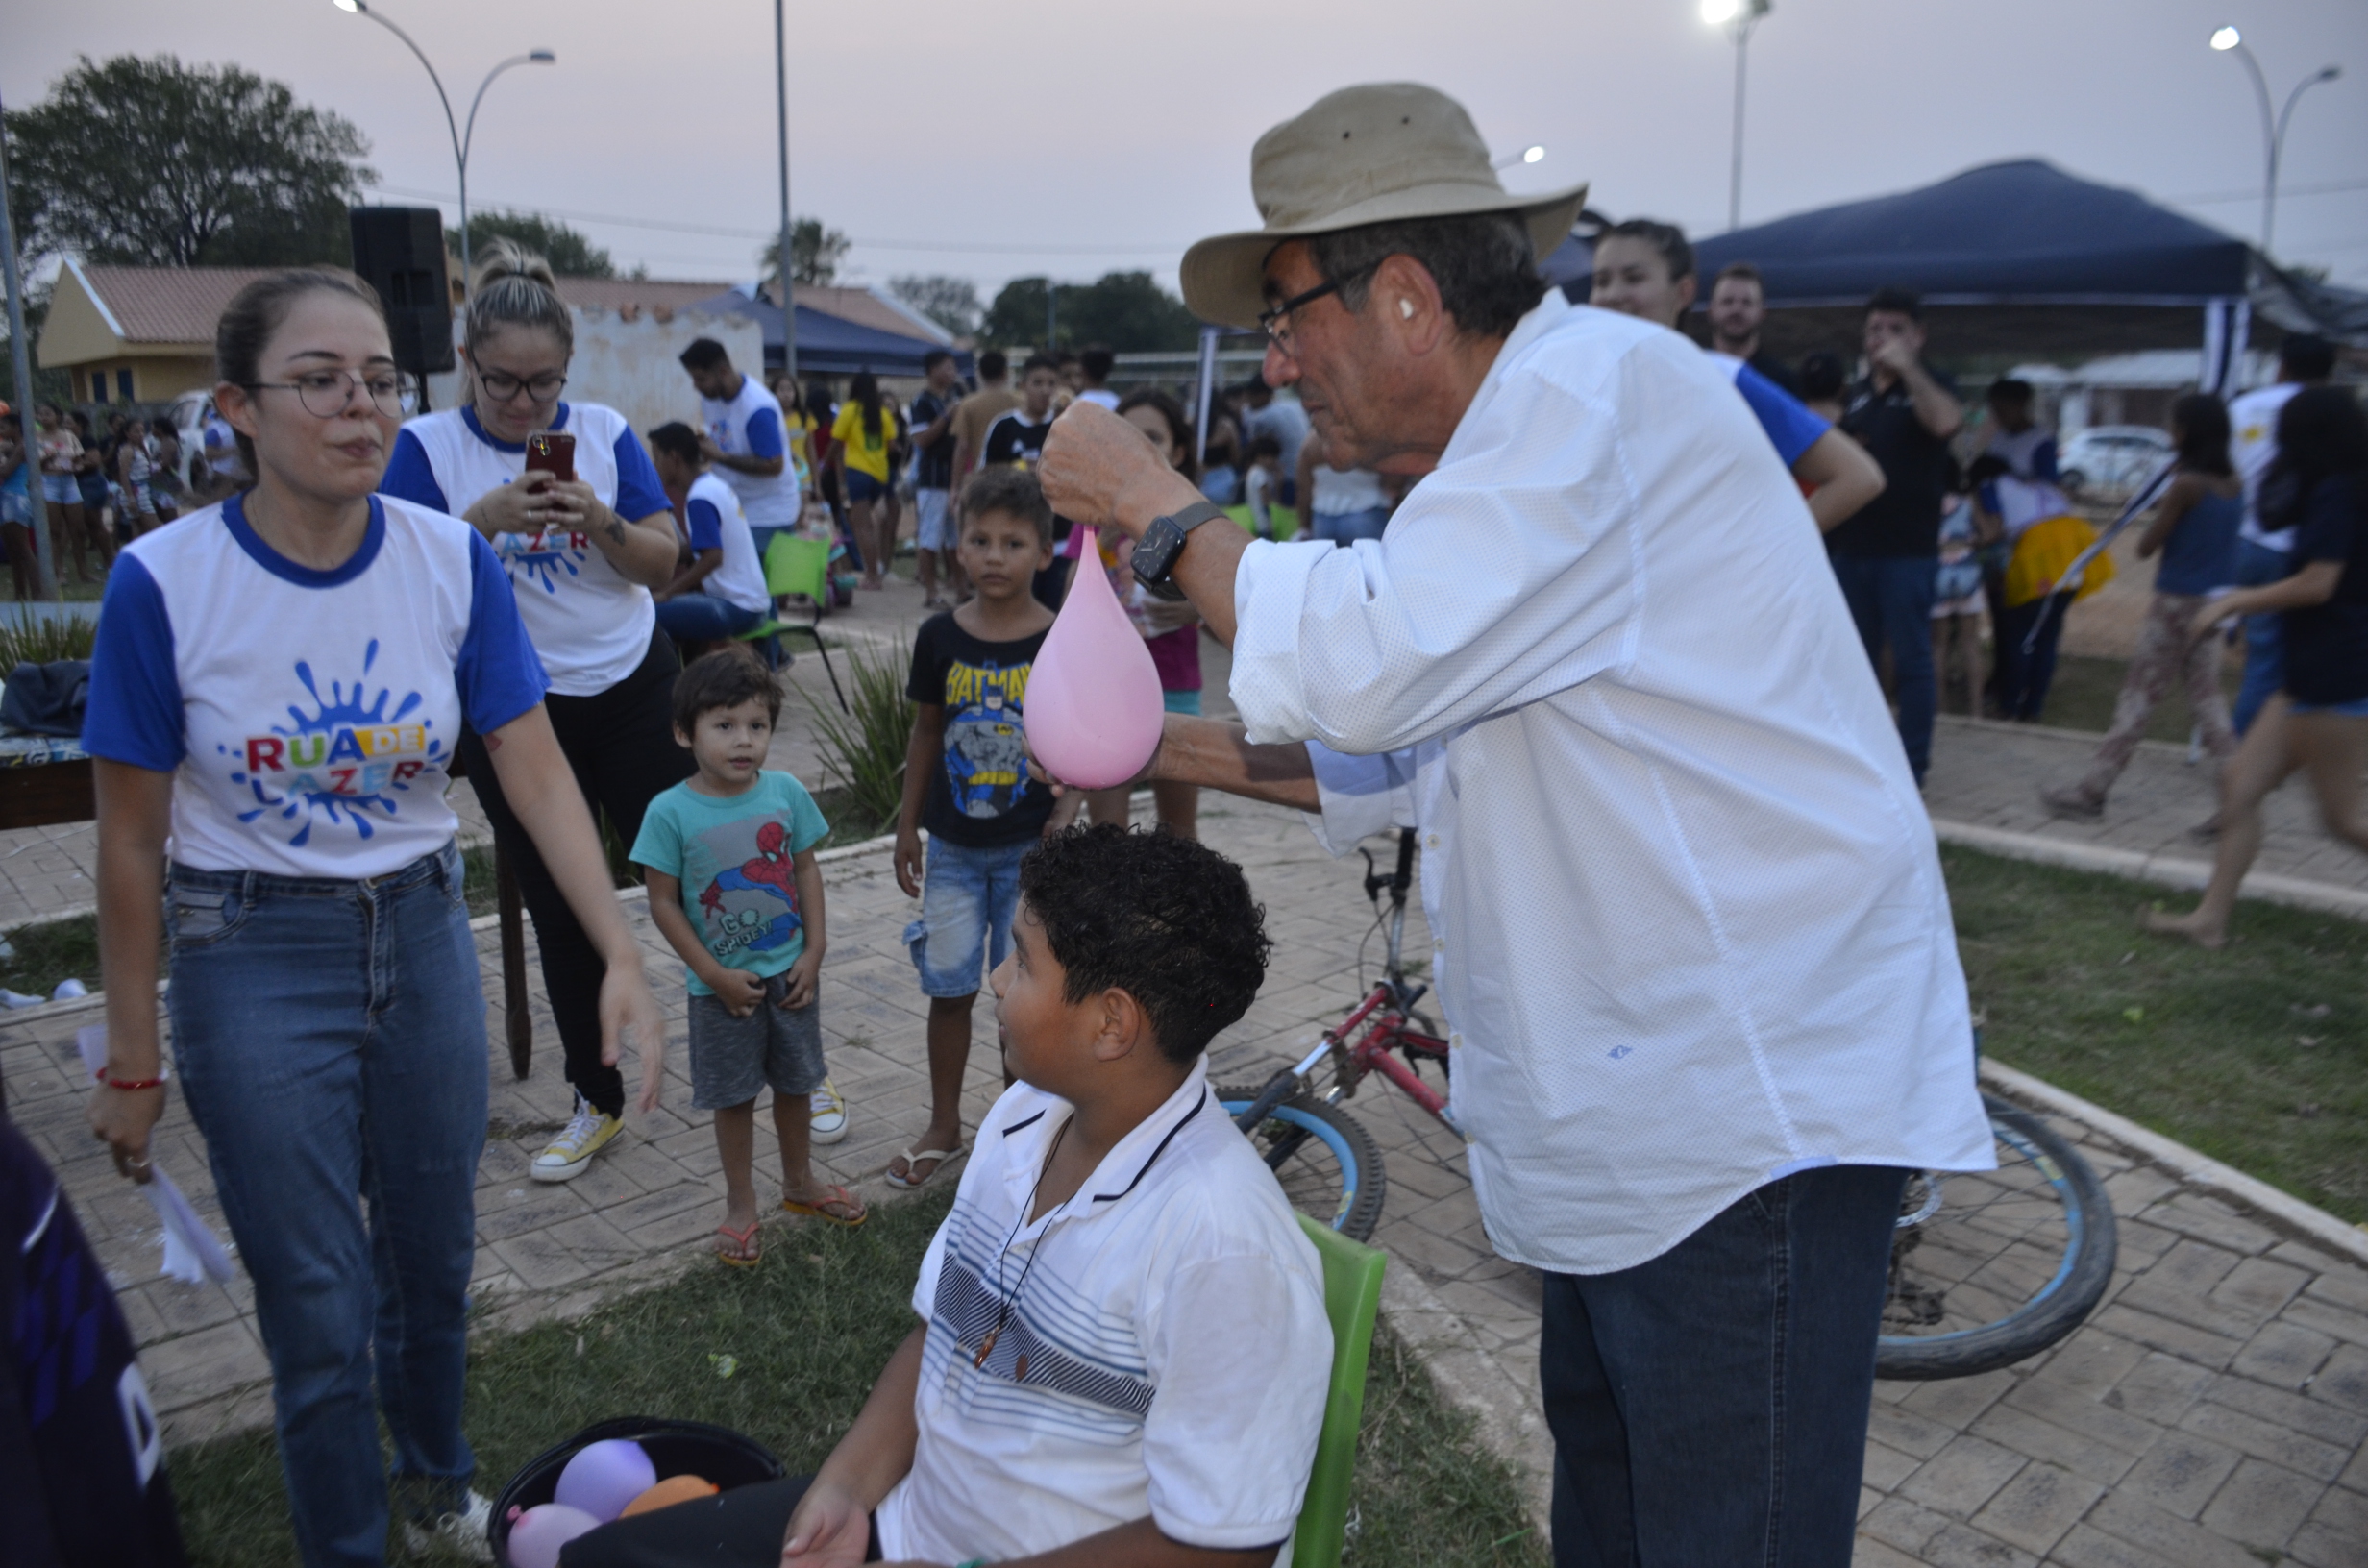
967 900
621 742
2023 679
1890 599
1711 1406
1348 527
329 1038
703 617
2264 675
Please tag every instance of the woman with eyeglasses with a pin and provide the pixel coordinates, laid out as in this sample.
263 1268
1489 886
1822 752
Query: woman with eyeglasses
275 695
583 555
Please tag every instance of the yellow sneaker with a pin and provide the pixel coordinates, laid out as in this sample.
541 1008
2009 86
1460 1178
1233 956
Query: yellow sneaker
571 1153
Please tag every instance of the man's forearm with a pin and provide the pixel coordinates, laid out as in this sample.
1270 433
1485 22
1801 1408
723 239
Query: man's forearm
1221 756
1940 413
743 464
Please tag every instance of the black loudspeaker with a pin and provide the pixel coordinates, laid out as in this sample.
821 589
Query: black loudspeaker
399 250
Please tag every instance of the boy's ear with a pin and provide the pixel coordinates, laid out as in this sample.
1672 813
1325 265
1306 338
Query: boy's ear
1124 1027
681 740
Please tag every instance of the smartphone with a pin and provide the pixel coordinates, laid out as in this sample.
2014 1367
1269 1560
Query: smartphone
551 452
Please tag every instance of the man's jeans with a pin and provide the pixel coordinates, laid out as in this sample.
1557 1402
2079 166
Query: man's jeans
1709 1407
331 1040
1890 597
2264 634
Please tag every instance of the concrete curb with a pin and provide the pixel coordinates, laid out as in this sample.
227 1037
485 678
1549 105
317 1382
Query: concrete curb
1507 1411
2162 871
2281 1211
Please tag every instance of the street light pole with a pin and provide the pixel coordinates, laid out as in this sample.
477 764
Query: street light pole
462 139
1739 17
781 92
21 362
2228 41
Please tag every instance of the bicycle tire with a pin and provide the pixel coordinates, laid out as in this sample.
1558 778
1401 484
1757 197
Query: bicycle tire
1347 1195
2076 1283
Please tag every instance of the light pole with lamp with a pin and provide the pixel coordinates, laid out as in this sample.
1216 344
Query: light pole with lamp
1527 154
1738 18
462 138
2228 41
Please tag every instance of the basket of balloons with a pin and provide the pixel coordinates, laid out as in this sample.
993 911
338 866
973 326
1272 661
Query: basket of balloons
629 1465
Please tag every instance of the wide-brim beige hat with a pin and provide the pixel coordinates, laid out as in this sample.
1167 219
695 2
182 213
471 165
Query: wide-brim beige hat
1373 154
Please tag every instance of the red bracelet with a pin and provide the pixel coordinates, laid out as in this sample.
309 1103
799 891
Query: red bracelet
127 1083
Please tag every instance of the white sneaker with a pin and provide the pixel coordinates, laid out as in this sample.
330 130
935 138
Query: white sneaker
829 1113
466 1533
571 1153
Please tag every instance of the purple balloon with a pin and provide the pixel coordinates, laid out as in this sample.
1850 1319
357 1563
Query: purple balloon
605 1476
535 1538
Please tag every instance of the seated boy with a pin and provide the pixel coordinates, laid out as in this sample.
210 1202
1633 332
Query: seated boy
1122 1354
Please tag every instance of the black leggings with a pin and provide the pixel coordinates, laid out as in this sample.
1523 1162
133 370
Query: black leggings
621 742
741 1527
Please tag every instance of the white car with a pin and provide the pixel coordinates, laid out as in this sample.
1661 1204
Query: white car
2110 460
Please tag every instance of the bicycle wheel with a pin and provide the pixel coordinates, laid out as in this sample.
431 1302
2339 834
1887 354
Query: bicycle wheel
1991 1267
1328 1163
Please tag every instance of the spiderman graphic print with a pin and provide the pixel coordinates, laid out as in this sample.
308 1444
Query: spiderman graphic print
736 858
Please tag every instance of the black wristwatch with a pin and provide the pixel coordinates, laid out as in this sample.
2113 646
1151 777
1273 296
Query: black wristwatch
1154 558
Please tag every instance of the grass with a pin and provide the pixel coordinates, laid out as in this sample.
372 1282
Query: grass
863 751
28 639
787 1352
51 951
2256 1055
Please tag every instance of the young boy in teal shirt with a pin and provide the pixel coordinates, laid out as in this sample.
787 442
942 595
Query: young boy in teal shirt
729 858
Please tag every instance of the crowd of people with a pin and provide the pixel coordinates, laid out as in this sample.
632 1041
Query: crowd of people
1122 1350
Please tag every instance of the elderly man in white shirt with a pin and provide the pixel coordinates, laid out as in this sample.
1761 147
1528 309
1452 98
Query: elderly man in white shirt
1694 948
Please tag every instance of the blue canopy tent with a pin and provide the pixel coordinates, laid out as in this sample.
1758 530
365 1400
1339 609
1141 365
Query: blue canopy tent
830 346
2018 260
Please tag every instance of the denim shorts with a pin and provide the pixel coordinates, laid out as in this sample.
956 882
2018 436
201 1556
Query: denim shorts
2356 708
935 525
1188 702
966 899
15 509
861 486
61 490
732 1058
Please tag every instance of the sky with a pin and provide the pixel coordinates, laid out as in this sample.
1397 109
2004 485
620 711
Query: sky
1001 138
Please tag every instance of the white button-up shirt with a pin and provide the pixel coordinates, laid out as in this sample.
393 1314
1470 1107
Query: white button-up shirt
1695 933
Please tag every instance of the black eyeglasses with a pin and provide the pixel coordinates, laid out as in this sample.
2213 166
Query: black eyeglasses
1274 322
327 393
503 387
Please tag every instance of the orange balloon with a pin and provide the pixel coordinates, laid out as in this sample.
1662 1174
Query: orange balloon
667 1493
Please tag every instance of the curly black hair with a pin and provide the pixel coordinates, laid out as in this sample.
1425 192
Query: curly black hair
725 679
1167 920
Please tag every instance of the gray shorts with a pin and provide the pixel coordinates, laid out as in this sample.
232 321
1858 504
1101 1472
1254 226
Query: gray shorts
732 1058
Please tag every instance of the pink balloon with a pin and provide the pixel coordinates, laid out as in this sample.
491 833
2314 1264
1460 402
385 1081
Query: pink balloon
535 1539
603 1477
1093 707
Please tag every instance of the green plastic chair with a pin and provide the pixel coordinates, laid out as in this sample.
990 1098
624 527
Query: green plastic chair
798 566
1351 1299
1285 519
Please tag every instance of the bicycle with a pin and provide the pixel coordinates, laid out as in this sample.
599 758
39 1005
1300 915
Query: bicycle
1988 1268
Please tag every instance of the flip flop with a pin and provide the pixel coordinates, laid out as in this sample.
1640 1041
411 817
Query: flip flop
840 1198
914 1157
747 1251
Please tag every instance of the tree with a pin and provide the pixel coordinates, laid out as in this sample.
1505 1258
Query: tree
152 162
570 253
1128 310
814 253
952 303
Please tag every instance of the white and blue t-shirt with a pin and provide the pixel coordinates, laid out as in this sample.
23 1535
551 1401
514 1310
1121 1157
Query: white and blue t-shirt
713 513
309 715
590 622
1791 428
749 425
